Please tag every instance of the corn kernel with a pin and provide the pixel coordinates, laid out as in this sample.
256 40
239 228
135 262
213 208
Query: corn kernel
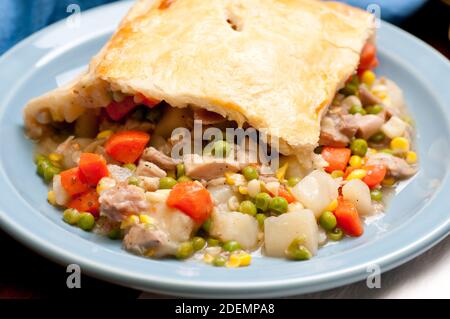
208 258
145 219
150 252
229 178
131 220
380 94
332 206
357 174
368 77
400 144
243 190
55 157
355 161
105 134
233 262
411 157
337 174
388 181
105 184
372 151
281 172
244 259
51 198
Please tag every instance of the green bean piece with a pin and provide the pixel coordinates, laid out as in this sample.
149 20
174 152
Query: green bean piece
336 234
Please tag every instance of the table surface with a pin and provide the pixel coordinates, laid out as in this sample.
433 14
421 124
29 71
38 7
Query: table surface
24 274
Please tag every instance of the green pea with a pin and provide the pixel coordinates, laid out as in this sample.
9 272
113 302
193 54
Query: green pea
377 137
327 220
261 218
198 243
185 250
292 181
71 216
39 157
180 170
250 173
376 195
357 109
167 183
133 180
337 174
184 179
207 225
231 245
51 171
278 205
212 242
219 261
247 207
130 167
387 151
359 147
221 149
262 201
115 233
336 234
374 109
86 221
42 165
297 251
172 173
154 114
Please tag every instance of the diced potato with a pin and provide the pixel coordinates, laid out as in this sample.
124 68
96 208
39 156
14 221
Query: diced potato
61 196
294 168
316 191
235 226
358 193
282 230
394 127
221 193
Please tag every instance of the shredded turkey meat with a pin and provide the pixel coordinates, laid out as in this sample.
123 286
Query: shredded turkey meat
120 201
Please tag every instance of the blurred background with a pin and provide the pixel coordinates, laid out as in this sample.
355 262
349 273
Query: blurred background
428 20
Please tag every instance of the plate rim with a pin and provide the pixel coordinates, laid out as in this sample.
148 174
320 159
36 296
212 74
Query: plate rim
281 288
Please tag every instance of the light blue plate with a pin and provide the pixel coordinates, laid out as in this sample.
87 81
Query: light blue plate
417 218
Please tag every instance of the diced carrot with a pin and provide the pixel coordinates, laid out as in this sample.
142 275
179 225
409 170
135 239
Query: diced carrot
127 146
118 110
86 202
283 192
147 101
347 218
93 168
73 181
192 199
375 175
336 157
368 60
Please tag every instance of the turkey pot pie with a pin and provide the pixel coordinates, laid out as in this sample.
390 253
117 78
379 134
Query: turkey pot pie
297 71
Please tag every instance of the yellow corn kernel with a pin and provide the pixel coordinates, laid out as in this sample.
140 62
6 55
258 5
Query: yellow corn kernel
411 157
105 134
233 262
243 190
380 94
368 77
400 144
337 174
332 206
372 151
357 174
55 157
105 184
51 198
229 178
131 220
355 161
242 259
388 181
281 172
208 258
145 219
150 252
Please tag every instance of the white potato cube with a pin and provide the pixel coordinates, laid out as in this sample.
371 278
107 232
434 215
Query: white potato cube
394 127
316 191
280 231
357 192
242 228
